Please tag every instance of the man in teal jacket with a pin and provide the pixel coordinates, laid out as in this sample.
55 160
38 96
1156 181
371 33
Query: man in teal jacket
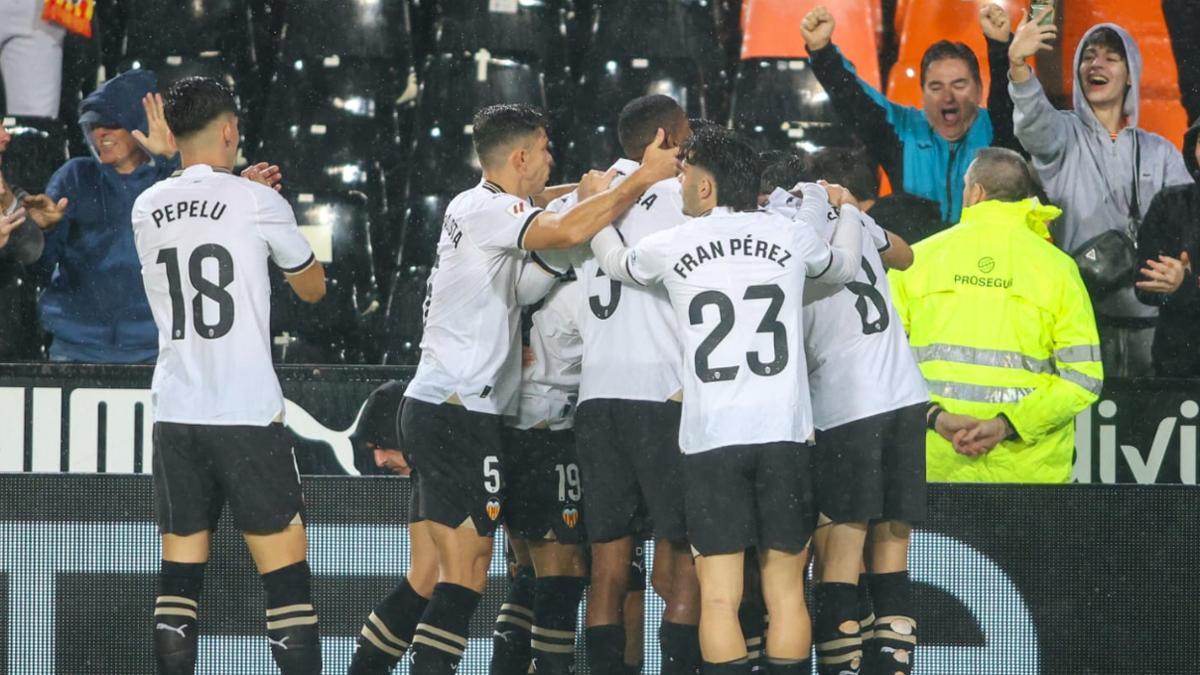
924 151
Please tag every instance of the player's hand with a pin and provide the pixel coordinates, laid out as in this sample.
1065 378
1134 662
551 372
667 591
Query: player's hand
594 182
160 141
982 438
392 460
661 158
9 224
1032 37
267 174
838 195
1166 274
995 22
45 211
817 28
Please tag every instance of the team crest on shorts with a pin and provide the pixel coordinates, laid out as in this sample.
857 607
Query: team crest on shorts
570 516
493 508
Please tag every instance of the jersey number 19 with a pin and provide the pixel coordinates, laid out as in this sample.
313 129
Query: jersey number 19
214 292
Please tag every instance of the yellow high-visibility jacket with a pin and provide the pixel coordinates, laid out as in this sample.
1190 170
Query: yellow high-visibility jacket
1000 322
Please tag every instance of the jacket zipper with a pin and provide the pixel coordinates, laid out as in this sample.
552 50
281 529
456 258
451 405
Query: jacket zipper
954 145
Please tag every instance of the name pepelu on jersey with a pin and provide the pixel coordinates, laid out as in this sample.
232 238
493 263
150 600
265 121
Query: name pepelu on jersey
631 347
739 315
471 349
203 237
854 340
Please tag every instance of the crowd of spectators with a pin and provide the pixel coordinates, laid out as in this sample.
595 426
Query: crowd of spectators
1092 161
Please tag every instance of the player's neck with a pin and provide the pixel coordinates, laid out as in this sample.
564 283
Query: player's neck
216 160
505 181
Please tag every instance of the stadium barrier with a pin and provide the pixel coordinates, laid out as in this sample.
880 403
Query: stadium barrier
1011 580
82 418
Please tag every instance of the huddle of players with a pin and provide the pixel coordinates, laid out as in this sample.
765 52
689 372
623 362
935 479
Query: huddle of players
711 307
712 341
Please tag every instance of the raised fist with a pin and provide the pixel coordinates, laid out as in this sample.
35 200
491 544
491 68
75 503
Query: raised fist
817 28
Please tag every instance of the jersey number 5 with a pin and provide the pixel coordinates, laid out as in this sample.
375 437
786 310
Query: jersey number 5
725 318
204 289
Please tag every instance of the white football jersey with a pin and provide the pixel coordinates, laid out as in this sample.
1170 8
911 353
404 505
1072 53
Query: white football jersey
854 339
471 348
550 383
619 316
203 237
736 282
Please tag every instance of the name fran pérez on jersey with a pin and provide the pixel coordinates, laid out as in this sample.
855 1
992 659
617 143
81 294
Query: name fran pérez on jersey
745 246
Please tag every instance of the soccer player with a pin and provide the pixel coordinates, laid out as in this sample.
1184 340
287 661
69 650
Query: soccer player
469 369
869 462
203 237
735 277
544 504
628 420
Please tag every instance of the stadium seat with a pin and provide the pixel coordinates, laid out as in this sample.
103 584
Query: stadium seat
1143 20
37 149
379 30
665 31
952 20
452 89
532 30
156 29
422 228
606 86
779 103
20 334
1164 116
337 226
772 31
404 317
355 98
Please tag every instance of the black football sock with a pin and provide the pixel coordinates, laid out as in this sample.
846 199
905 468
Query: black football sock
176 625
292 621
555 614
387 632
605 648
680 648
738 667
839 651
510 638
789 666
895 634
441 636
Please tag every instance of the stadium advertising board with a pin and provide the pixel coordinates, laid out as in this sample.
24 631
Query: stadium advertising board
1016 580
77 418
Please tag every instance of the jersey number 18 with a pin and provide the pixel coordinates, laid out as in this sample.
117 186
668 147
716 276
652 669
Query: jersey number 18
204 289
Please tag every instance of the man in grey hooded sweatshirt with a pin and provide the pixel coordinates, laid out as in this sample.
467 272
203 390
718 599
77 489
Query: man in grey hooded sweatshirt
1097 165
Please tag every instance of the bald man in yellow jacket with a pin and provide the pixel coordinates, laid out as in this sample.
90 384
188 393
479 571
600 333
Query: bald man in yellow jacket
1003 330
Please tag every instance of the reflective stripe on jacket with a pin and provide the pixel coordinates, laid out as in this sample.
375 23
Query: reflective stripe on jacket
1000 322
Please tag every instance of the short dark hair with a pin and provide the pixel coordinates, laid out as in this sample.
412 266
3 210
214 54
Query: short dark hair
498 126
732 162
698 123
945 49
641 119
1004 175
1104 37
193 102
850 168
781 169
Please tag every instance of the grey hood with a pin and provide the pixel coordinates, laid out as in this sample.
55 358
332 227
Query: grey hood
1087 173
1133 99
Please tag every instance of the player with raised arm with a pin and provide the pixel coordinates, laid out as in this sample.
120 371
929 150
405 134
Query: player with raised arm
628 420
470 363
735 276
204 237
